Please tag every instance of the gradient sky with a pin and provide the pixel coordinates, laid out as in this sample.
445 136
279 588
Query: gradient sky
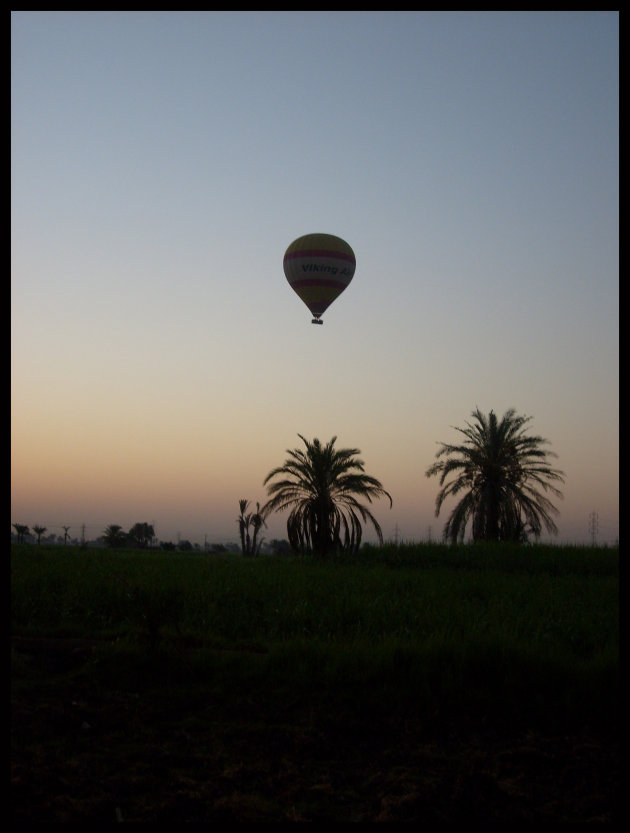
162 162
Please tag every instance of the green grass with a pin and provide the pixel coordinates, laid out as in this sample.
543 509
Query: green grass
413 683
471 629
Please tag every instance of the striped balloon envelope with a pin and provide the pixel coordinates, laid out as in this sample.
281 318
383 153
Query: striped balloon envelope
319 267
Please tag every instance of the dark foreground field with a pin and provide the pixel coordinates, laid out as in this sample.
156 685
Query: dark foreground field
90 752
120 727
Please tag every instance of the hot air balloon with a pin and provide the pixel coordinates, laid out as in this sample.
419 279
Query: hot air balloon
319 267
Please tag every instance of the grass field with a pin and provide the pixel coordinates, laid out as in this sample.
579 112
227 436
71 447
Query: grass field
415 683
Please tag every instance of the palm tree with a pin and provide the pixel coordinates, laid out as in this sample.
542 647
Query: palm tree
39 531
249 545
141 535
323 486
22 531
500 470
114 536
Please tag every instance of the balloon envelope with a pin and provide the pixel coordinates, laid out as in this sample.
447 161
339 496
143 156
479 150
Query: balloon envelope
319 267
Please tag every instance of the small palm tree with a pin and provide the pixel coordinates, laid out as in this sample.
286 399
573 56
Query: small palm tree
114 536
323 487
141 535
500 471
249 544
22 531
39 531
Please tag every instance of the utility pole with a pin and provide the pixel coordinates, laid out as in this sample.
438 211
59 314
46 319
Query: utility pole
593 526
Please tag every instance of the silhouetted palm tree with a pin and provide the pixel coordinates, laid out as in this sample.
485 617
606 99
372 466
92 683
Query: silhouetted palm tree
114 536
39 531
250 545
141 535
500 471
323 487
22 531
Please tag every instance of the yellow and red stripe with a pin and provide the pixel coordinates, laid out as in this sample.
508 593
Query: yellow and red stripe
318 268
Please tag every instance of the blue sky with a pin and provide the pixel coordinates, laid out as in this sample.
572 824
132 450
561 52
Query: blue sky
162 162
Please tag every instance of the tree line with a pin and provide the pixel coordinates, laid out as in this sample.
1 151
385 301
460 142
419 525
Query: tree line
142 536
499 474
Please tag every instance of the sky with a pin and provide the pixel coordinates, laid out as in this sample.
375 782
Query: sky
161 164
